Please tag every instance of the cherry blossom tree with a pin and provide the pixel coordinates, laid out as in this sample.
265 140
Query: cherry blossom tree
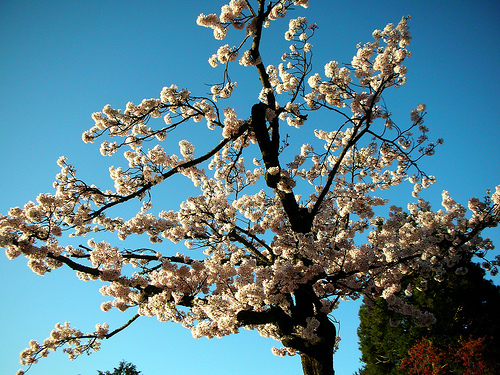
281 230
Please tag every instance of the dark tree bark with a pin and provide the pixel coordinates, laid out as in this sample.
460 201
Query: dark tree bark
317 358
314 365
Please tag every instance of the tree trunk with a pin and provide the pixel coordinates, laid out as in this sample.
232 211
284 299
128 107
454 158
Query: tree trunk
317 358
318 363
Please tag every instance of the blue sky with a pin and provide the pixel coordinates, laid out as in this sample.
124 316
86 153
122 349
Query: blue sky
62 60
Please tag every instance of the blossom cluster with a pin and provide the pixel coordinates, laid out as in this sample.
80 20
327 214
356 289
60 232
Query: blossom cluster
176 106
374 65
232 14
64 335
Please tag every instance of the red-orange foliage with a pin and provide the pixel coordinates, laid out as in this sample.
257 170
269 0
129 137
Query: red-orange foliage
467 357
424 358
471 357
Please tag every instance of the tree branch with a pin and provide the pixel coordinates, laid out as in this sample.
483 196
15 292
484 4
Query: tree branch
171 172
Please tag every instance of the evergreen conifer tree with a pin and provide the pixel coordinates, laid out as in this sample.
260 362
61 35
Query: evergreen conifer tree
465 307
124 368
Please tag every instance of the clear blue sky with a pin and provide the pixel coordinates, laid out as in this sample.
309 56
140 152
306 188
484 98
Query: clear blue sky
62 60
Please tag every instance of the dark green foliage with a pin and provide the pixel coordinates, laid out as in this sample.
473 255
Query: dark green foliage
124 368
464 306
